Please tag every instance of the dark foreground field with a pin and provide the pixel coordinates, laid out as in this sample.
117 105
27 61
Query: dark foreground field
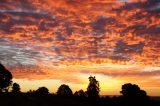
27 99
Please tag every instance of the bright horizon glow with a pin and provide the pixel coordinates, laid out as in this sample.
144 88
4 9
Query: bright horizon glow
108 84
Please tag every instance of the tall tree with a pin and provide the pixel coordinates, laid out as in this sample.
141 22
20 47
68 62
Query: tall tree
5 78
93 88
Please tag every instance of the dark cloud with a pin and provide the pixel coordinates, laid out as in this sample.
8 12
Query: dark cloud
152 31
99 26
141 5
122 47
140 16
69 29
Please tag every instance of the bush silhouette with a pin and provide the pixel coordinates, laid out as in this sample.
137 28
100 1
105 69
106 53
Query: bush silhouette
93 88
16 88
64 90
134 96
5 78
42 91
80 93
132 90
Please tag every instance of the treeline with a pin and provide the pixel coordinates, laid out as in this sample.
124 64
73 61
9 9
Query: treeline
132 95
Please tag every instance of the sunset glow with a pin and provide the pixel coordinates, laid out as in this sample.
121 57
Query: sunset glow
51 42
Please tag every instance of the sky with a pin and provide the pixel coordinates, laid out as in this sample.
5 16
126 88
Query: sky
52 42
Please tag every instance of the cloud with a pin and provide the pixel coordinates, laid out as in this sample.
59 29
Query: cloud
99 27
35 33
128 73
122 47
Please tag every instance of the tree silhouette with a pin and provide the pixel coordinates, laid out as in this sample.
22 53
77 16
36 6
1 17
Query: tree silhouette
129 90
31 91
16 88
134 95
5 78
80 93
42 91
64 90
93 88
132 90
